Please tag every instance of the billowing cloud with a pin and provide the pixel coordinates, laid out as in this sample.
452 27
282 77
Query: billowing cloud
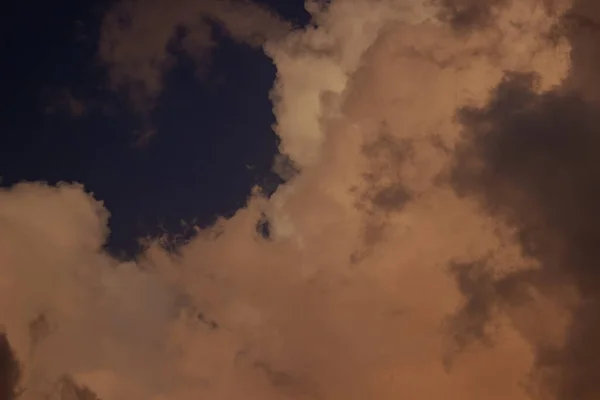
535 157
435 239
136 35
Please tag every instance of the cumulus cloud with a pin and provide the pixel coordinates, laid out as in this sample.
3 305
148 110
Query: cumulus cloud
435 239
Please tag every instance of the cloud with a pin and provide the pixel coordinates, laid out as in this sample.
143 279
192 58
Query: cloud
469 14
64 102
404 257
536 156
140 38
136 37
9 370
582 26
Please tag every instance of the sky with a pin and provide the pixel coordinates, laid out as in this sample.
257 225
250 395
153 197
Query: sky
62 121
350 199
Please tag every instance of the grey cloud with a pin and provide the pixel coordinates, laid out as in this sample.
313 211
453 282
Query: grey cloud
531 159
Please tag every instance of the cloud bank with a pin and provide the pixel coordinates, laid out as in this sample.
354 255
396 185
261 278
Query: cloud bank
436 240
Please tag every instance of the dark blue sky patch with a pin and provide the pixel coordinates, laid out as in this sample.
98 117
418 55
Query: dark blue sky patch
214 138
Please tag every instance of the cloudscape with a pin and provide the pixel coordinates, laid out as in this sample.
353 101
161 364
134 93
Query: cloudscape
434 237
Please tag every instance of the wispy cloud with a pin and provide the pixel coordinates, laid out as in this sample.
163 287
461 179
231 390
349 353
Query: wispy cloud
435 239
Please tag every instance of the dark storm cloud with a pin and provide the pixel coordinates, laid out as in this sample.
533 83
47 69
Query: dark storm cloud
582 25
533 160
10 370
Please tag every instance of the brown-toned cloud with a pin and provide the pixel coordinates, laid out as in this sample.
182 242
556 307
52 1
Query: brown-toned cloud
582 23
64 102
369 276
535 157
469 14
